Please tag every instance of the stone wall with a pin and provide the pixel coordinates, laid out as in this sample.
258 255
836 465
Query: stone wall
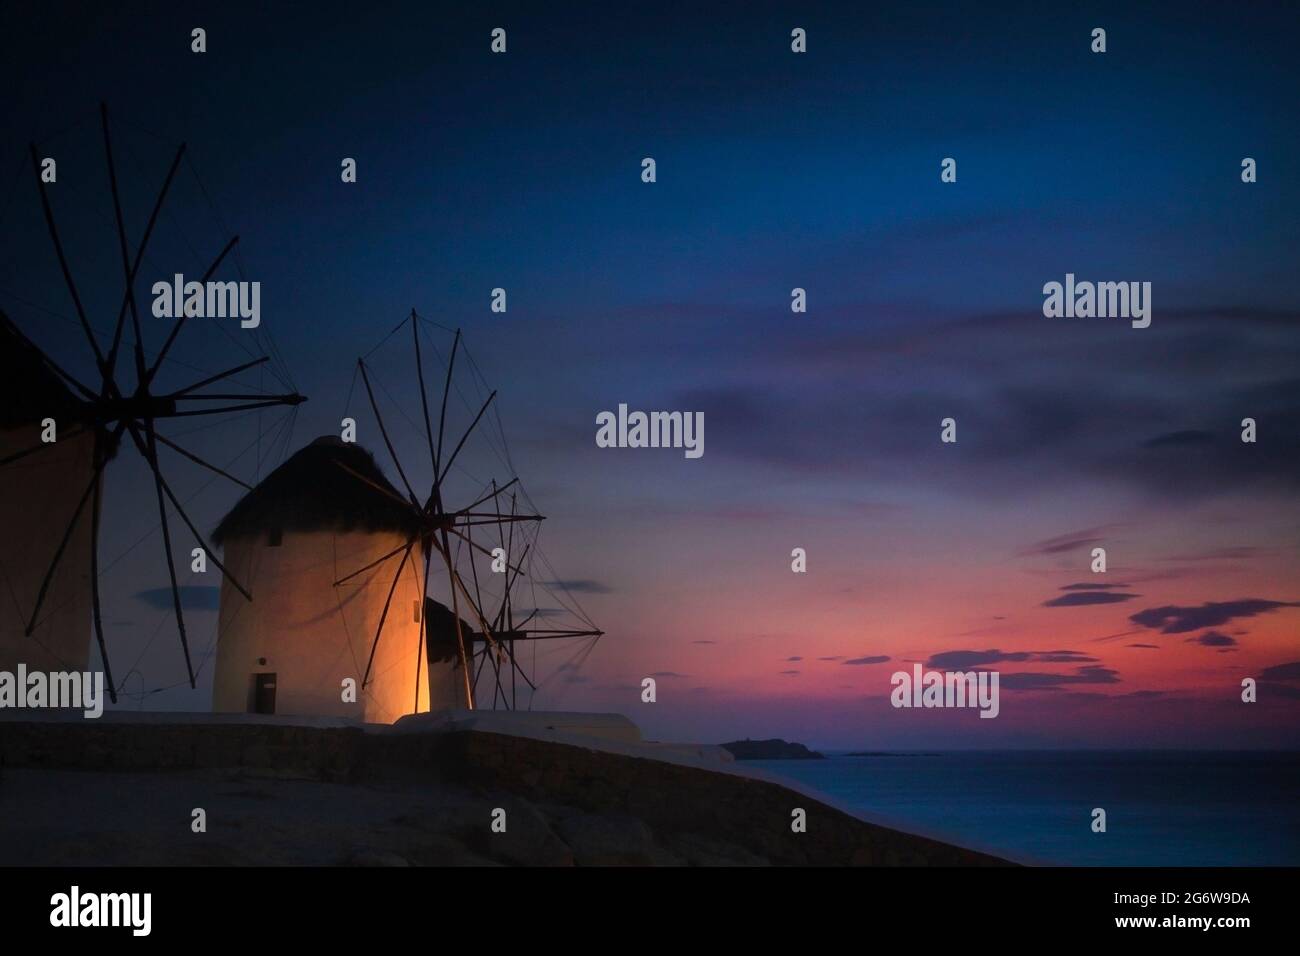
329 753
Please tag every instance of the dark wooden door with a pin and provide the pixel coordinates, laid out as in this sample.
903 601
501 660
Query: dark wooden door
264 693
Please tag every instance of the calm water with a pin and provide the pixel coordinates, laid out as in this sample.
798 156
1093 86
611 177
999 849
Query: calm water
1163 808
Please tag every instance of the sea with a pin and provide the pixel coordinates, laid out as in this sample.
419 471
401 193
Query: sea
1163 808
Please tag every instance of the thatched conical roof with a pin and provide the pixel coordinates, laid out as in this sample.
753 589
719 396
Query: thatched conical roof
318 489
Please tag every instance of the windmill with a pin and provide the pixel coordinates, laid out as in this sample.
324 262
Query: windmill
121 408
506 630
447 533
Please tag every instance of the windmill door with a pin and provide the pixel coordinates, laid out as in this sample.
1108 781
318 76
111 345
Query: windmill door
264 693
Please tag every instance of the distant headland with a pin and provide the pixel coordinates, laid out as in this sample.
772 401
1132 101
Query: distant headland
773 749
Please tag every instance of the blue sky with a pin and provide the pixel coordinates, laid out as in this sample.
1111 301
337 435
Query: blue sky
774 171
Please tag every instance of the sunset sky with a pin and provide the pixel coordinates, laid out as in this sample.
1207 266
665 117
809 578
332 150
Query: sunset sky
822 430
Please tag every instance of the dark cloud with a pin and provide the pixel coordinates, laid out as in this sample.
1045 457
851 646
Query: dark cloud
1093 587
1188 436
704 642
1145 693
789 672
1175 619
1278 690
961 660
793 660
1219 554
879 659
1089 598
580 586
1154 647
1066 542
1113 637
200 597
1023 422
1213 639
1198 461
669 674
1092 674
1290 671
830 658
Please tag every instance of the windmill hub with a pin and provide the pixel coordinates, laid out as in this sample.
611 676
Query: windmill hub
441 522
139 407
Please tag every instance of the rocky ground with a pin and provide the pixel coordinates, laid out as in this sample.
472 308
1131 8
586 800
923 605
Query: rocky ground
126 795
76 818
